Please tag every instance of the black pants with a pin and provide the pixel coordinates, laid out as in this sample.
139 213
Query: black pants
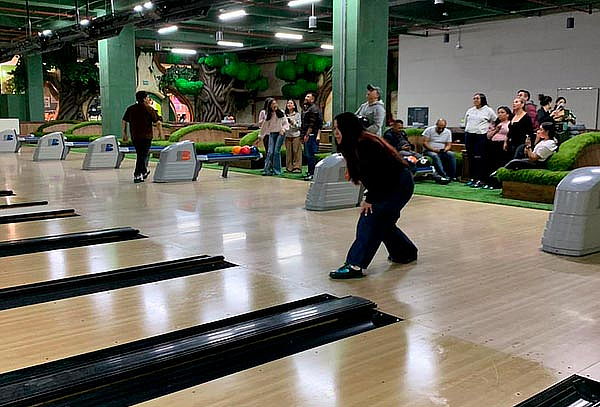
142 148
475 145
524 163
380 227
495 157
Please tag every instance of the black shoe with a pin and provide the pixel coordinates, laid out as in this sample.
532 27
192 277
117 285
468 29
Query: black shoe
308 178
137 179
146 174
477 184
403 260
346 272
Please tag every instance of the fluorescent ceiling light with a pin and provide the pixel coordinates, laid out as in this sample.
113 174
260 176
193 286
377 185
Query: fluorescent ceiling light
183 51
230 15
47 33
230 44
139 8
84 22
288 36
326 46
167 30
148 5
298 3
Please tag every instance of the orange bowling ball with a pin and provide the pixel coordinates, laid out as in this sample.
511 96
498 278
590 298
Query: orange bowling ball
236 150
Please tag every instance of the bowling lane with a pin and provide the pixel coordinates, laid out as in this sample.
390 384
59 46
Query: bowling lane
51 227
9 202
40 333
402 364
65 263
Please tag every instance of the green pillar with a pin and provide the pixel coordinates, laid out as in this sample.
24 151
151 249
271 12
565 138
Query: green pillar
360 38
118 78
35 87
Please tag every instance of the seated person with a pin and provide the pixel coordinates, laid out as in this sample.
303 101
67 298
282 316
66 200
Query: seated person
437 141
545 146
397 137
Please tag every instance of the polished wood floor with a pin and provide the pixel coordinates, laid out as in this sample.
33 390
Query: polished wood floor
489 318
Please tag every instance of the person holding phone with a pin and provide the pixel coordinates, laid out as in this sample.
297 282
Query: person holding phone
293 143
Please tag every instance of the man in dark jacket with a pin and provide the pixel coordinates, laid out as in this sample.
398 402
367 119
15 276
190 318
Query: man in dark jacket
312 119
397 137
140 118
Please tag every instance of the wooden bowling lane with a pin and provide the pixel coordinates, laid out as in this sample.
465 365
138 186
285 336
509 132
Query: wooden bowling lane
402 364
77 261
8 202
44 332
51 227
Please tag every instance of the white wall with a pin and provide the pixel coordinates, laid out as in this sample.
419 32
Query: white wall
538 54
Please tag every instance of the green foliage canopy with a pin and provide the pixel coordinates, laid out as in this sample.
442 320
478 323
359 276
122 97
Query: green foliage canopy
302 74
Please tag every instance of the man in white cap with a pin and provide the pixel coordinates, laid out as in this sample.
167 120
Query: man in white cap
373 110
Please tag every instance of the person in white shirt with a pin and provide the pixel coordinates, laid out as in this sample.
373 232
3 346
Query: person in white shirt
437 141
545 146
477 122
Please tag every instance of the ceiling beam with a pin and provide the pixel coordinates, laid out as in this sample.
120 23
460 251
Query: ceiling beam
571 6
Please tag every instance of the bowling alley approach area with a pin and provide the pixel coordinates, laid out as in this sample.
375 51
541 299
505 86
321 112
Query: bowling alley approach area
215 292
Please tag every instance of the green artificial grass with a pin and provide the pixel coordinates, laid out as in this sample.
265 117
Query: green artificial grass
538 177
567 153
456 190
41 129
250 138
177 135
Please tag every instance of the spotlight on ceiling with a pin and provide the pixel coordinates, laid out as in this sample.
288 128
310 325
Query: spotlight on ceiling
231 15
84 22
139 8
230 44
288 36
183 51
47 33
299 3
167 30
148 5
438 2
326 46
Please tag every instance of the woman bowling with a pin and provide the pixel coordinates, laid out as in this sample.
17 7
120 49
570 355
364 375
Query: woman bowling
378 167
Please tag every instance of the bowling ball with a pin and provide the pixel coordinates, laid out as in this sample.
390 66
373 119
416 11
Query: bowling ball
254 150
236 150
245 150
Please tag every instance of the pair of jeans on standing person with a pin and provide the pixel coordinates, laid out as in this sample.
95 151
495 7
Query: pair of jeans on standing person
444 163
311 147
142 150
380 226
273 159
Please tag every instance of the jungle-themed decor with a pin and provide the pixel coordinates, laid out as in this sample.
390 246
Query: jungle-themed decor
217 85
308 72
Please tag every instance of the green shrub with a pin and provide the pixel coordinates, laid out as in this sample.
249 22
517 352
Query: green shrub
53 122
532 176
414 132
567 153
82 124
82 138
177 135
207 147
250 138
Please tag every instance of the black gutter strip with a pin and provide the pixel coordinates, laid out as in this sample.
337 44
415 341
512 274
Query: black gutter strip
141 370
68 240
6 192
53 290
21 204
571 391
33 216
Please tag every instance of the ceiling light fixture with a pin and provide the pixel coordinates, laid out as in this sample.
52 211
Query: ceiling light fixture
47 33
183 51
288 36
139 8
326 46
84 22
167 30
230 44
436 2
299 3
231 15
148 5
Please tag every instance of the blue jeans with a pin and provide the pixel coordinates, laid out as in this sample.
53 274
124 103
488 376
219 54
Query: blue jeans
444 163
311 147
380 226
273 159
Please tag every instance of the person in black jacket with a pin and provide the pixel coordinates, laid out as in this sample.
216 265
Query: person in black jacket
312 119
375 164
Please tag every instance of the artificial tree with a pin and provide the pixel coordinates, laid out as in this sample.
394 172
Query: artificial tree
308 72
218 84
73 82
